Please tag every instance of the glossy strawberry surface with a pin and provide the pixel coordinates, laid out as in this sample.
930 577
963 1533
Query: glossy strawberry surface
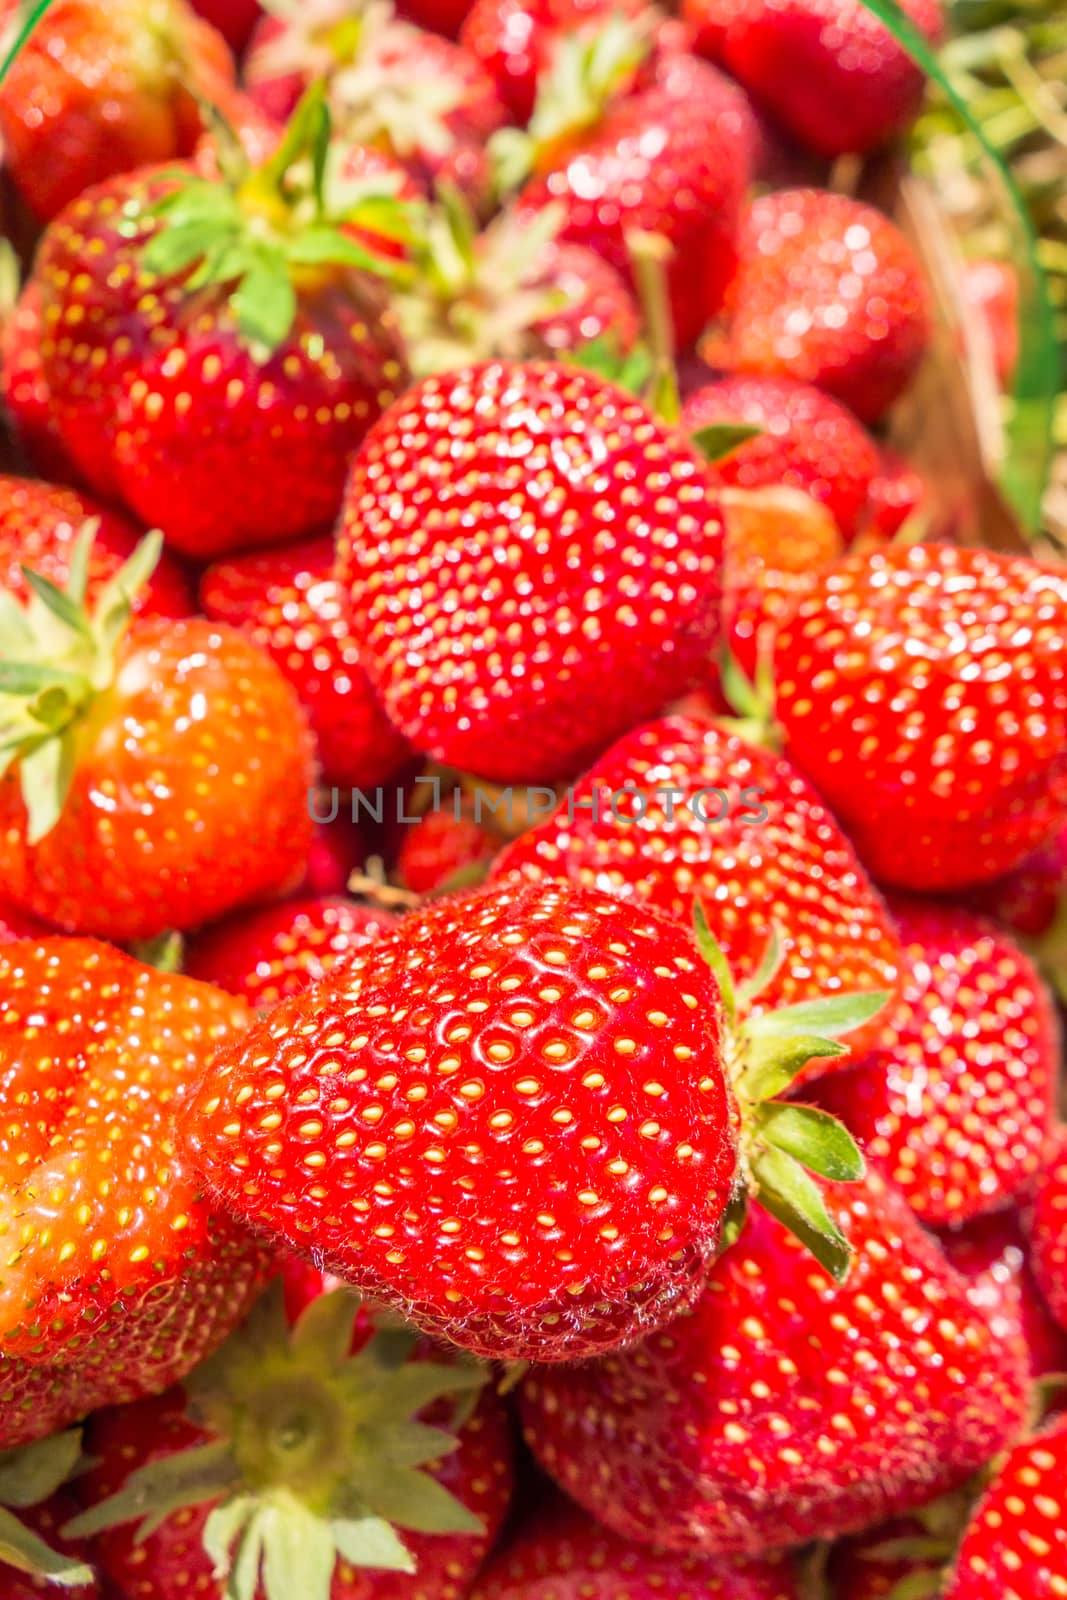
828 291
533 562
1015 1547
508 1117
957 1098
923 690
784 1408
1046 1223
120 1274
681 809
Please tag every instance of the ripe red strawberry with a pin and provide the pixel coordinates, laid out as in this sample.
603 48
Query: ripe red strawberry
1046 1226
829 71
337 850
292 1469
264 956
702 131
956 1100
440 845
898 494
805 441
1015 1547
442 16
923 691
689 810
991 1254
829 291
99 90
16 925
137 754
584 593
784 1407
563 1555
420 98
39 528
1028 899
234 19
119 1274
232 321
518 40
777 541
288 601
511 1118
26 397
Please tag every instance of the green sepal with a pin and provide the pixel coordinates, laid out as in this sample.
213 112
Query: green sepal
918 1586
264 301
788 1193
24 1550
829 1017
734 1219
772 1065
325 245
711 952
770 965
34 1472
154 1492
718 440
812 1137
166 952
910 1548
307 133
628 369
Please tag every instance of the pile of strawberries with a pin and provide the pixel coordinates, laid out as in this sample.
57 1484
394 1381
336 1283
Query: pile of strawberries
532 900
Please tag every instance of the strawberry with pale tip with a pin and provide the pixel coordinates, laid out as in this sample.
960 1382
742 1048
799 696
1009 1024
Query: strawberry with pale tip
585 591
517 1118
956 1099
786 1407
337 1459
118 1273
923 690
134 751
233 318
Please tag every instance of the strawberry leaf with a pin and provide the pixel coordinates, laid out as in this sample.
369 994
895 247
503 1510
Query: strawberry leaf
45 775
326 245
162 1487
370 1542
771 1065
770 963
35 1471
830 1016
918 1586
718 440
24 1550
712 953
176 248
788 1193
814 1138
264 301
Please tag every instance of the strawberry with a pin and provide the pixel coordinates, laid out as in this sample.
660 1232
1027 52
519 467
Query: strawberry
585 591
136 753
1046 1227
923 691
39 528
98 90
486 1120
990 289
898 495
1015 1546
264 956
956 1100
26 397
337 850
563 1555
421 98
784 1407
440 16
828 291
991 1254
518 40
688 809
1028 899
829 70
442 844
900 1559
232 320
804 440
288 602
16 925
777 541
597 169
297 1460
234 19
120 1274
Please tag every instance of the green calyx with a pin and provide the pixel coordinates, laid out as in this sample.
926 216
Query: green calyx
29 1476
476 295
590 69
261 232
318 1455
752 699
57 655
784 1143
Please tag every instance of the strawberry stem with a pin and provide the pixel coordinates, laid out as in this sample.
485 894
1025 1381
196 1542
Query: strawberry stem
649 254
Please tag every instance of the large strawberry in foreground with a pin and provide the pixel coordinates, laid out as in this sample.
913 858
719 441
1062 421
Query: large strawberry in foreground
341 1460
119 1273
513 1119
682 810
784 1407
923 690
195 325
582 593
156 773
